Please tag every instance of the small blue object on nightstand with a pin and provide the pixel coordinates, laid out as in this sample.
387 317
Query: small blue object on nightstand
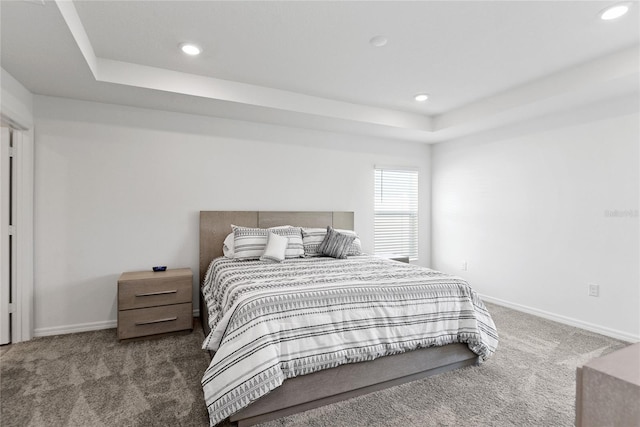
160 268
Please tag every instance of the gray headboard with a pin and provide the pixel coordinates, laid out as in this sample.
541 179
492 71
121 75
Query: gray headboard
215 225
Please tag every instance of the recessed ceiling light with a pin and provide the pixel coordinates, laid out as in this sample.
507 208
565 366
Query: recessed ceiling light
421 97
378 41
614 12
190 49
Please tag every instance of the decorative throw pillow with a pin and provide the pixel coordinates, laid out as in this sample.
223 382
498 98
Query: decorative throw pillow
250 243
336 244
312 237
356 246
275 249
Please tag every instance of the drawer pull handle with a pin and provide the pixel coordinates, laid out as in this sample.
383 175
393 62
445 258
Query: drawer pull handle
148 294
168 319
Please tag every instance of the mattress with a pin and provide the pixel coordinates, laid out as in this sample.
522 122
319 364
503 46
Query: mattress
274 321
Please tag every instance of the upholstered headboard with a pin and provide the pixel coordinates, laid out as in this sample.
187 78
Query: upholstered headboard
215 225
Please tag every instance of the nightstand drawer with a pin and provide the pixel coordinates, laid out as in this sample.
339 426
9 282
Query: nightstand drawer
154 320
134 292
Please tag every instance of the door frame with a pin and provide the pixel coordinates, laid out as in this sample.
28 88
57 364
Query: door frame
23 305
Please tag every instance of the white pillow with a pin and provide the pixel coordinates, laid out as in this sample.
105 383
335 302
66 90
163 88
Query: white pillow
249 243
275 249
227 246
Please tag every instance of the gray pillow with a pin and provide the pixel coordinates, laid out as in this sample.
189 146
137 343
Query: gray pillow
336 244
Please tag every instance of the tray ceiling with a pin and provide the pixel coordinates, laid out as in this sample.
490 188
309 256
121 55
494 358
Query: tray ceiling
484 64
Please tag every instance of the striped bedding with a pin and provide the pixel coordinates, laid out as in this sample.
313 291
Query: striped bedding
273 321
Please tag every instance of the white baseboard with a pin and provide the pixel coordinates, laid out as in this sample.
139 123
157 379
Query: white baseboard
84 327
70 329
624 336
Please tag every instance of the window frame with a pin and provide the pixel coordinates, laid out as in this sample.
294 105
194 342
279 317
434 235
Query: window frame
407 223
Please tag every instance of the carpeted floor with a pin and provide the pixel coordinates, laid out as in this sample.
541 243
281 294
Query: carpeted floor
89 379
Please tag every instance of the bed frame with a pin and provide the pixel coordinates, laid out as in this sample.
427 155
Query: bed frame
332 385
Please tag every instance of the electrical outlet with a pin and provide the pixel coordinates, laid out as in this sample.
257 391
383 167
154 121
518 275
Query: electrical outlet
463 266
594 290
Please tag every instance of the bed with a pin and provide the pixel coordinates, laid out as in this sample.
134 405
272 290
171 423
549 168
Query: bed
316 388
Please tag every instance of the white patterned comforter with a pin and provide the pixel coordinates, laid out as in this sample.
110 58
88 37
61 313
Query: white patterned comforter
273 321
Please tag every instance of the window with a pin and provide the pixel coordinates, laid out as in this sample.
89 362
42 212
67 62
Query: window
396 212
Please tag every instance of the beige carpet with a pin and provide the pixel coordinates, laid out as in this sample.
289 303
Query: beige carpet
89 379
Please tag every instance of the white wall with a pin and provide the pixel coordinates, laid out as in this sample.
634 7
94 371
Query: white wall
119 189
527 208
15 100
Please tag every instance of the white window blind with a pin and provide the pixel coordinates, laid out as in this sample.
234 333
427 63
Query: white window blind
396 212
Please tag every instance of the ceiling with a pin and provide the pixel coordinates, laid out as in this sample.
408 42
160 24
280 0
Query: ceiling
484 64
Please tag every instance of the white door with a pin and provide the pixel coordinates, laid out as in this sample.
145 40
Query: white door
6 242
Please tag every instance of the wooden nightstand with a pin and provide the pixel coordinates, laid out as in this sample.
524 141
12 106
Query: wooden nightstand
394 257
152 303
